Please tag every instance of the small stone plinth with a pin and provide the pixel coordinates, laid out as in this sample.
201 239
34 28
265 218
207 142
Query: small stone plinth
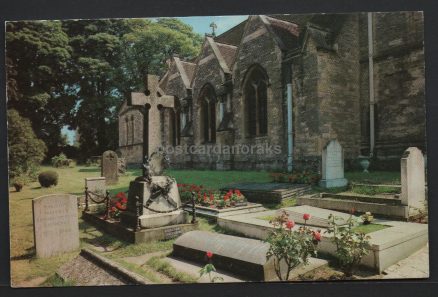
243 257
128 234
214 213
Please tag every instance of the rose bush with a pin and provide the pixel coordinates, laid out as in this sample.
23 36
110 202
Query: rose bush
118 204
290 247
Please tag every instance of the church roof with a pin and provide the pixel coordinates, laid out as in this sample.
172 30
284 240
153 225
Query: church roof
286 33
232 36
228 53
189 69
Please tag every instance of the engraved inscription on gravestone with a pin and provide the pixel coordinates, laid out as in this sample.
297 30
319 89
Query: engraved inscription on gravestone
171 233
55 224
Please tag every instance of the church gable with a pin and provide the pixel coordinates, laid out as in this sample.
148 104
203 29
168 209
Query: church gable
211 67
178 82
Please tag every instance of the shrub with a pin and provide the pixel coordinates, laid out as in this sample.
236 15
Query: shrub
290 247
48 179
60 161
26 151
351 246
19 182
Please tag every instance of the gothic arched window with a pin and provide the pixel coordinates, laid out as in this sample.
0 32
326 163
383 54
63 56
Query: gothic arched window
255 92
207 104
174 127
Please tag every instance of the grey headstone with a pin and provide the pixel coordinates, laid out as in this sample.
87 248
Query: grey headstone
55 224
333 166
413 192
96 185
109 167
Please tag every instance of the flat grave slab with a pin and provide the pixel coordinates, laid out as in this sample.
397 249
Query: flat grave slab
268 192
244 257
388 246
215 213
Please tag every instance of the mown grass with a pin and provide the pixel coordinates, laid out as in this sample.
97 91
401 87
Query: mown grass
369 228
374 177
161 265
374 190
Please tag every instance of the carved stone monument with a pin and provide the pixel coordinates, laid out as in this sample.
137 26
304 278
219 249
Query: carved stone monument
413 192
109 168
333 166
153 199
55 224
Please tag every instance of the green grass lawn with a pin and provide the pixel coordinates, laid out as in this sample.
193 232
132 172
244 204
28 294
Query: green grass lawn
369 228
374 177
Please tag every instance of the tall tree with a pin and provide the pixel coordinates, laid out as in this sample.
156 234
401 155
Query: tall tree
37 53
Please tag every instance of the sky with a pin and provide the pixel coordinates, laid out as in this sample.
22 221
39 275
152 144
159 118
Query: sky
201 25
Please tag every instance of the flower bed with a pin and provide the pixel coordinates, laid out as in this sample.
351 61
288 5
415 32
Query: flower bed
212 198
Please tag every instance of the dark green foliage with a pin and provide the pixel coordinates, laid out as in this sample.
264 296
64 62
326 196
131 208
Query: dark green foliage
48 179
26 151
76 73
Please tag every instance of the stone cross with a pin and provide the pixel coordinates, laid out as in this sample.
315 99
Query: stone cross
413 193
152 99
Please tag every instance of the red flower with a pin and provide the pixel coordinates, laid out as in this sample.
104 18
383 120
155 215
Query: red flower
124 200
121 195
209 254
226 197
113 208
237 192
211 197
317 235
306 216
290 224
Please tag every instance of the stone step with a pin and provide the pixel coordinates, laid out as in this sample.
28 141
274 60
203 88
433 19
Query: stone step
269 192
389 200
379 209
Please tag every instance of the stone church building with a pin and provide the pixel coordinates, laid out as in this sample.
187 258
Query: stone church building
292 82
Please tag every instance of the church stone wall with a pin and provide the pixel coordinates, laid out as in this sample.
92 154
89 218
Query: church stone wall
259 47
399 85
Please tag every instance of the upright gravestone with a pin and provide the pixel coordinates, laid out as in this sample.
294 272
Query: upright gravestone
413 192
55 224
96 185
110 167
333 166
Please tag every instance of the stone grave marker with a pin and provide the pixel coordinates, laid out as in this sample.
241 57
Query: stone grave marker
110 167
413 192
55 224
96 185
333 166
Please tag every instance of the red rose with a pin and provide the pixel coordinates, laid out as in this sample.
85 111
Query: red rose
209 254
317 235
124 200
306 216
237 192
226 197
211 197
290 224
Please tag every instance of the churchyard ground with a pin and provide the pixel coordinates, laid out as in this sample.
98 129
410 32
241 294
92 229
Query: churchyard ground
30 271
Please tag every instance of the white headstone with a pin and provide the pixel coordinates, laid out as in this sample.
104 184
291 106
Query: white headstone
413 192
333 166
55 224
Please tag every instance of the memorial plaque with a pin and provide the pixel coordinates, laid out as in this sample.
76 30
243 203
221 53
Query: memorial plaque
171 233
110 167
55 224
